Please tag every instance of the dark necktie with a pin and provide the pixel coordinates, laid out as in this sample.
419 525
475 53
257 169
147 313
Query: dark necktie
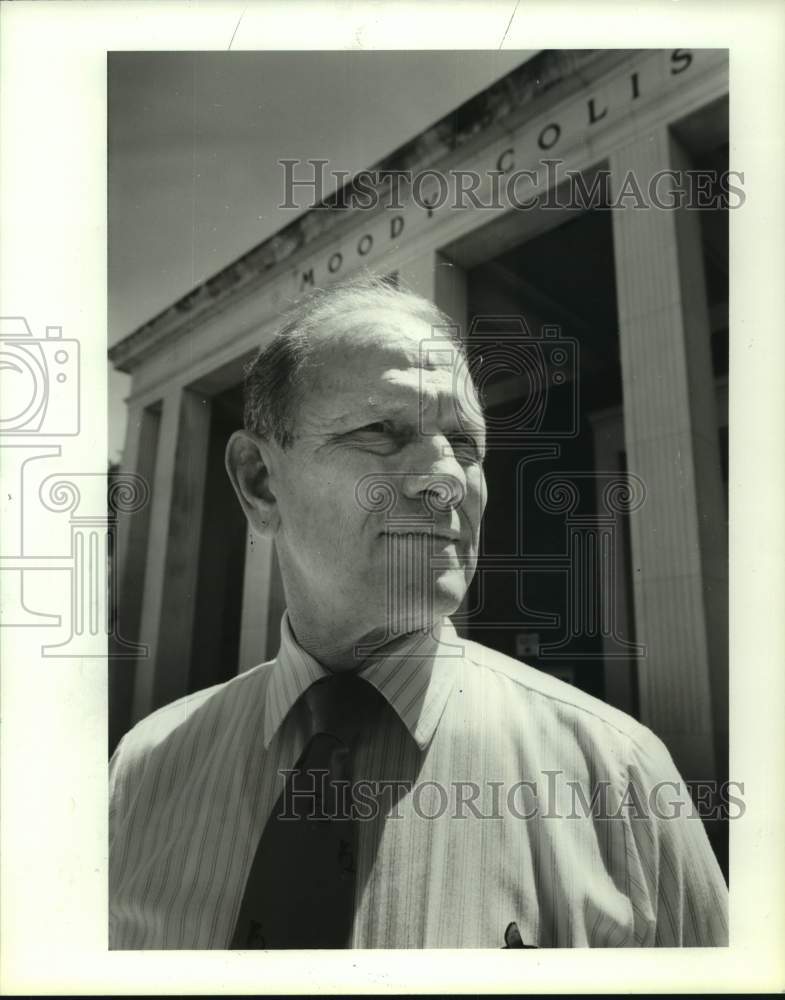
300 890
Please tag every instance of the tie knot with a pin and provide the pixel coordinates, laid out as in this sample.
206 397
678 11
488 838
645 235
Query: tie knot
342 704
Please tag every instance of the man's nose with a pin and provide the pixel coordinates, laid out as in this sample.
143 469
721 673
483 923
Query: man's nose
436 476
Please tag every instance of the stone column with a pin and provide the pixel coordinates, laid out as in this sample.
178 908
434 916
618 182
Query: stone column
679 546
173 550
133 528
619 674
131 536
132 533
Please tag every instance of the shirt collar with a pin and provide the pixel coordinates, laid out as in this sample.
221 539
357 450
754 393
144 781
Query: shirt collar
409 674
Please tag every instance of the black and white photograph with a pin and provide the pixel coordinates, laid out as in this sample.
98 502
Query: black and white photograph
431 572
409 574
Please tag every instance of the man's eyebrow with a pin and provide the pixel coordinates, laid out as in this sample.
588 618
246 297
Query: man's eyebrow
386 407
475 430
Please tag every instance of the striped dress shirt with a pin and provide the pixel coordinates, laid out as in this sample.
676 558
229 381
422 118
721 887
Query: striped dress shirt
493 794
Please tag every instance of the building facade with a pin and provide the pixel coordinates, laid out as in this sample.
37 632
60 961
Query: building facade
602 316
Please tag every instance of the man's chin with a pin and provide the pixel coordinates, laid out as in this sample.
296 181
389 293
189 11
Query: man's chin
418 610
449 591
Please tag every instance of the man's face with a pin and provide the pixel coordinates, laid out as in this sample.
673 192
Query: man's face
381 495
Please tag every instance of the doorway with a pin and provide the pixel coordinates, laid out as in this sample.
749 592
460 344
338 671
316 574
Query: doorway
543 344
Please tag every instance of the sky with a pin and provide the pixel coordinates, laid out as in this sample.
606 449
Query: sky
194 141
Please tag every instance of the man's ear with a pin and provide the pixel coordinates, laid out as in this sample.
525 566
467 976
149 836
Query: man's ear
247 463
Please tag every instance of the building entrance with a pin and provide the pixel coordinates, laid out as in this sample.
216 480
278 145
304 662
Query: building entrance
553 579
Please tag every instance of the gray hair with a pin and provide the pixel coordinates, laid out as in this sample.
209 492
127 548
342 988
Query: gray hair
274 379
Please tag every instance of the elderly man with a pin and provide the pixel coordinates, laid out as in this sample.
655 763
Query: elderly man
384 783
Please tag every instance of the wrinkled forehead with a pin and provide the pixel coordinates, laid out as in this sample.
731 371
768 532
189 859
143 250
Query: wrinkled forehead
379 333
385 353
